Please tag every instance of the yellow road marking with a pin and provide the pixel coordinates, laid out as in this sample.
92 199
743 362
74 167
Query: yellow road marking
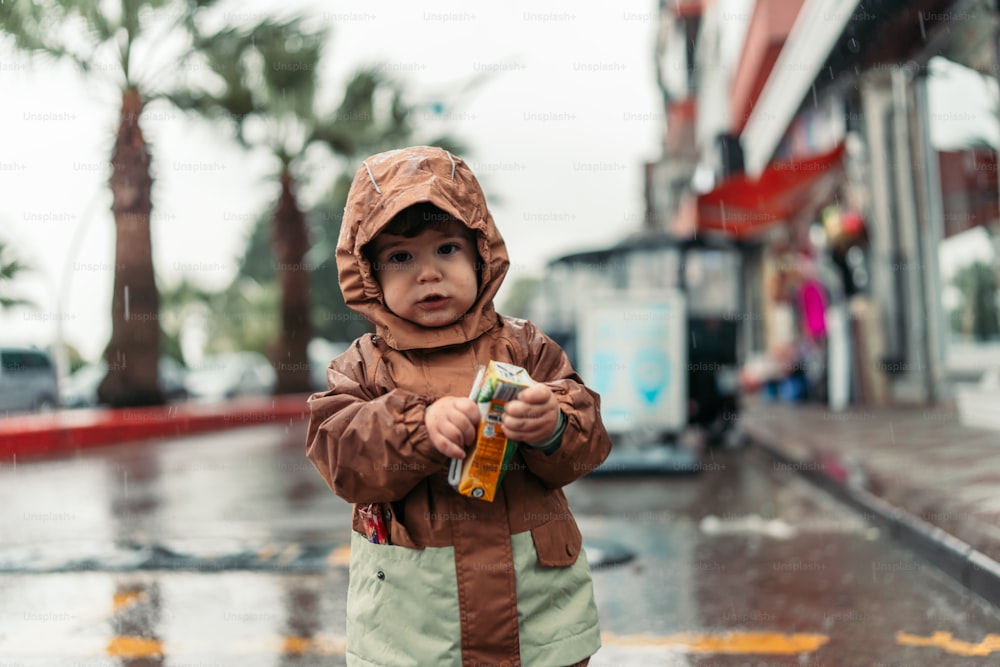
749 643
134 647
296 645
340 556
319 645
746 643
124 599
947 641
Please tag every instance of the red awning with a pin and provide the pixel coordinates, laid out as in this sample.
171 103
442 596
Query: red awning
742 207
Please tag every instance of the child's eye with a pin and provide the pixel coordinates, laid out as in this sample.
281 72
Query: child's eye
399 257
449 249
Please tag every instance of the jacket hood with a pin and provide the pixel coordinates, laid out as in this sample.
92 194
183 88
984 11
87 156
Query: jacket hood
384 185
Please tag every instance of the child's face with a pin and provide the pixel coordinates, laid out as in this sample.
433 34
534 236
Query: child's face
429 279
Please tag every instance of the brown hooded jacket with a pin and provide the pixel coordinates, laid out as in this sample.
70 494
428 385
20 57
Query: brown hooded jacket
367 436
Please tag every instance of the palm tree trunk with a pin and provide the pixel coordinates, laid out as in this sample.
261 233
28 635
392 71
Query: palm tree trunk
291 241
134 349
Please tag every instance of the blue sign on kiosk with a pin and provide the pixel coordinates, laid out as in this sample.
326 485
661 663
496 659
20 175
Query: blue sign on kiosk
633 352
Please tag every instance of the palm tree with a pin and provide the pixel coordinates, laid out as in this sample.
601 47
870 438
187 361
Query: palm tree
110 36
269 95
269 77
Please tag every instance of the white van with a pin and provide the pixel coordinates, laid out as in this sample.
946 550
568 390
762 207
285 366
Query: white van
28 381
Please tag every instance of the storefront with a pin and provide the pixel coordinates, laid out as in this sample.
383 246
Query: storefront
918 92
964 136
868 136
798 220
932 125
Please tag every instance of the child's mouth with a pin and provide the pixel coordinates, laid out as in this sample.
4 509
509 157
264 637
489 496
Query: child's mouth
433 301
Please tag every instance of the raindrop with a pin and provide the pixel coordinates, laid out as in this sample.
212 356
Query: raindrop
126 303
853 45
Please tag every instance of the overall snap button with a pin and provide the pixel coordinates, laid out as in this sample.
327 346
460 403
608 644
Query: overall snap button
380 575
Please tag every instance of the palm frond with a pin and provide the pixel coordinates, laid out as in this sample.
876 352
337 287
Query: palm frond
36 28
224 56
354 128
291 55
10 269
9 302
100 24
131 10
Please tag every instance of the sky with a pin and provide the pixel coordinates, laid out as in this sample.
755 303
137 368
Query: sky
558 135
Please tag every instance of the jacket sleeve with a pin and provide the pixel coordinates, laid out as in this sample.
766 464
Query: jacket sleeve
369 447
585 441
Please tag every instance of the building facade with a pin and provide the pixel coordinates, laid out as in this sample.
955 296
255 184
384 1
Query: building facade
850 144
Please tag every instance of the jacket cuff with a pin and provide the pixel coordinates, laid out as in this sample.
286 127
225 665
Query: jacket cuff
554 441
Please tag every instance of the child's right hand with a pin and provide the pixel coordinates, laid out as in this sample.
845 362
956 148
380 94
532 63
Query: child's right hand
452 422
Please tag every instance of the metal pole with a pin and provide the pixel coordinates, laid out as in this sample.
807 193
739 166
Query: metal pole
906 205
928 243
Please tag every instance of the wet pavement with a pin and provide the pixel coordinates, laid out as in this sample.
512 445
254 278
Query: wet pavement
934 479
228 549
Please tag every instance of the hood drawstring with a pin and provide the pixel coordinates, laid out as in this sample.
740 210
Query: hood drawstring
374 184
448 153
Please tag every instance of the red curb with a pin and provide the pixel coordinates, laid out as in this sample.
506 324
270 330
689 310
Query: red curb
34 436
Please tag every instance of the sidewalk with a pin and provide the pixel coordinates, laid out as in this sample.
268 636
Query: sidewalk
64 431
931 481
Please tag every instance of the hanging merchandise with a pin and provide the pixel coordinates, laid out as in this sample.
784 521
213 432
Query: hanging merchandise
813 304
844 228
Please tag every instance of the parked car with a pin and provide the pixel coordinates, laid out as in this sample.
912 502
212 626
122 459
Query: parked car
28 381
79 390
231 375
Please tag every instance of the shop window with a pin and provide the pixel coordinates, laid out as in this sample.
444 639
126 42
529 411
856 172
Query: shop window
970 278
963 107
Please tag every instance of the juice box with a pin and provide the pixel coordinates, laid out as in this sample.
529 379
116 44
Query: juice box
479 474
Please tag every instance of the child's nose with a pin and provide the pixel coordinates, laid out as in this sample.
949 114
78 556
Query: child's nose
428 271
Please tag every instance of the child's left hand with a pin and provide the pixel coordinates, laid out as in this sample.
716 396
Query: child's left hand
533 416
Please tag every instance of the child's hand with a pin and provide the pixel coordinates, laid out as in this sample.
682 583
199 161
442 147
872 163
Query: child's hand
451 422
533 416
